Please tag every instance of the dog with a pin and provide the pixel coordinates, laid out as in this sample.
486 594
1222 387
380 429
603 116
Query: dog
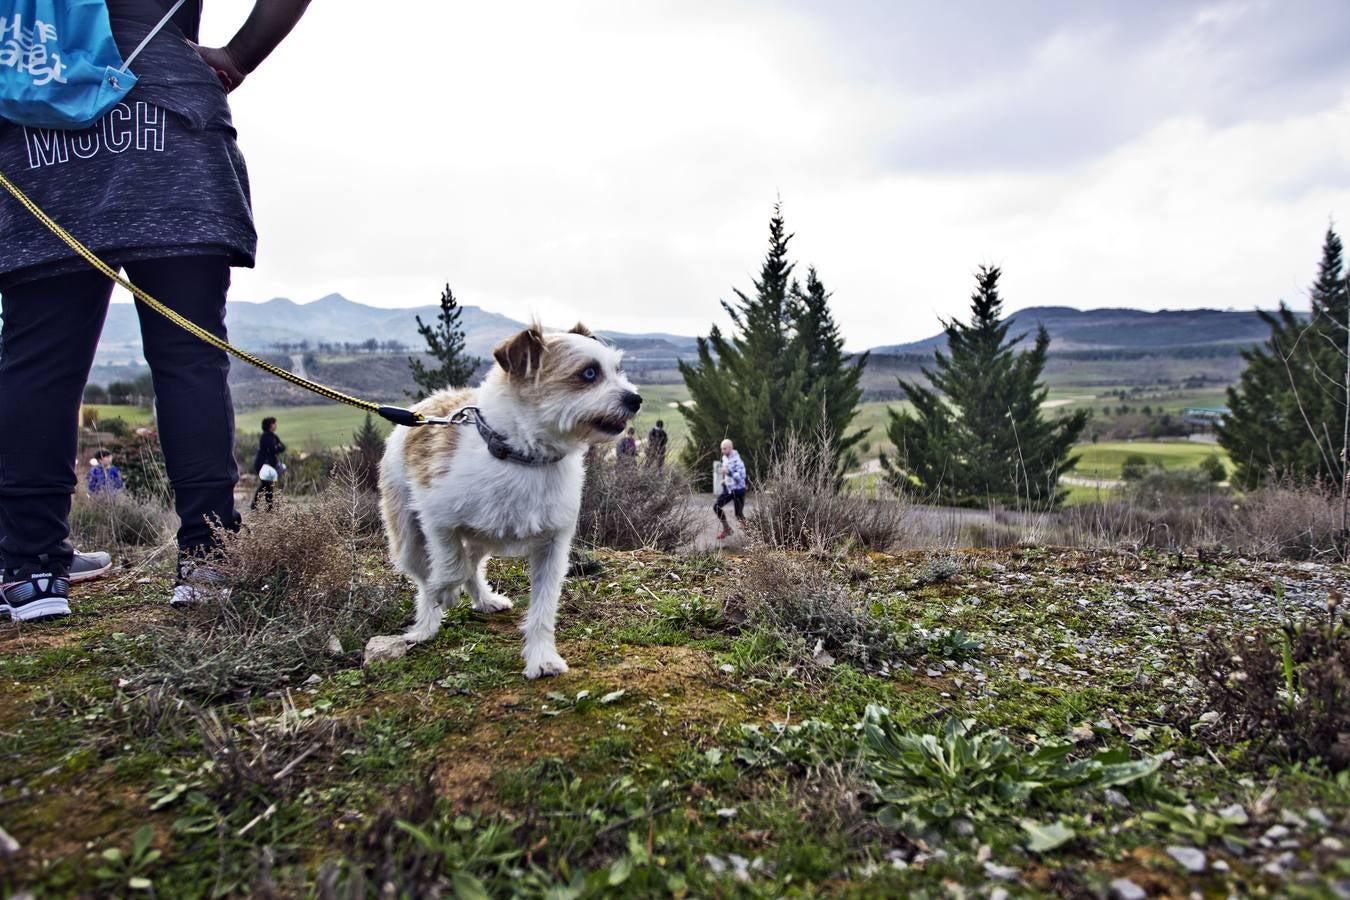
505 481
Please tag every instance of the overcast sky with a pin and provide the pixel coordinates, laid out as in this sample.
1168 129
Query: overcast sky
617 160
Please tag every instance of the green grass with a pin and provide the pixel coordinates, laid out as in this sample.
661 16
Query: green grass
623 776
308 427
135 416
1103 460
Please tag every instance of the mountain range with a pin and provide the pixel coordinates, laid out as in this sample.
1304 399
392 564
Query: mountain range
335 320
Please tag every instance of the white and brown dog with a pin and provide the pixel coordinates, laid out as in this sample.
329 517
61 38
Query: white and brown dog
505 482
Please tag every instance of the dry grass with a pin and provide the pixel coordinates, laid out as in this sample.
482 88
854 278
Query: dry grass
627 506
1289 521
117 522
801 506
299 579
800 602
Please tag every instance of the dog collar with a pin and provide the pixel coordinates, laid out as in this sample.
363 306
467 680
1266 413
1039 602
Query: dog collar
497 444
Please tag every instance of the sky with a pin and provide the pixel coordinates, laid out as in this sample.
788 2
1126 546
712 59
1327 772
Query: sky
617 161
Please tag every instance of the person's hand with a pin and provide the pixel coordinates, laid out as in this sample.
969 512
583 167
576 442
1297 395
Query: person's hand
224 65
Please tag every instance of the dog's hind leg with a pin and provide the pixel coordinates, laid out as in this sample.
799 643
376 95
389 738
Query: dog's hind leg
448 571
485 600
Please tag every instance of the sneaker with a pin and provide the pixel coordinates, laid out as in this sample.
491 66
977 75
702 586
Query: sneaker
722 535
30 596
87 566
198 583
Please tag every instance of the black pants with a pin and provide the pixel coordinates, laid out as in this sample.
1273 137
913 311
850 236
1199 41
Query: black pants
51 329
265 488
737 499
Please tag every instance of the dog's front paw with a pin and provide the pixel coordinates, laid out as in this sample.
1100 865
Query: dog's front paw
546 662
493 603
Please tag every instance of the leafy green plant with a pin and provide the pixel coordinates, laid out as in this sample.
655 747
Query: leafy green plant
798 746
926 781
1197 825
130 871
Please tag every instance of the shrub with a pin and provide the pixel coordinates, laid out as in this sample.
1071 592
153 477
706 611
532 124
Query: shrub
801 505
799 602
628 506
1285 691
1134 467
1288 521
110 521
297 581
141 462
1214 468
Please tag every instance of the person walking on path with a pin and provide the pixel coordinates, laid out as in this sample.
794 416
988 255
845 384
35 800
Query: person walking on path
103 477
733 488
156 187
656 445
627 451
267 463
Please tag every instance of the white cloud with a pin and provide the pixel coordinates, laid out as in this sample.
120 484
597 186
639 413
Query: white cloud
617 162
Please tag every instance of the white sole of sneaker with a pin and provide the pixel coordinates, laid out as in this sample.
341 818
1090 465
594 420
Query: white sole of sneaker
46 608
90 575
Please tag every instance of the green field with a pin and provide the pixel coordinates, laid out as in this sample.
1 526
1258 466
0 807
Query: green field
1104 460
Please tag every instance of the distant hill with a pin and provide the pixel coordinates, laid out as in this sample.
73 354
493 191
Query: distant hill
335 320
1075 330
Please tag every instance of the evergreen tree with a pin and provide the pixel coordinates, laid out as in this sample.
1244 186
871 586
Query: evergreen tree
977 434
1287 412
366 453
445 343
779 371
835 383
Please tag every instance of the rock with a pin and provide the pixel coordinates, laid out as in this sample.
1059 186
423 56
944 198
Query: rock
312 680
1191 859
728 812
1125 889
715 864
998 893
1316 815
8 846
1024 674
1116 798
727 669
1081 732
1276 833
820 657
1220 865
1209 718
1002 873
385 648
334 646
1292 819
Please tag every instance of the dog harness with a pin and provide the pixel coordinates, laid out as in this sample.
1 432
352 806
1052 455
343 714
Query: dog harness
497 443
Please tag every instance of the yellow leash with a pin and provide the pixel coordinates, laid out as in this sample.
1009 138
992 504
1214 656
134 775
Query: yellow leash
396 414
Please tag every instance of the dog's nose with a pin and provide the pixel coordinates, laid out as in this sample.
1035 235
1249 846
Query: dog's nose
631 401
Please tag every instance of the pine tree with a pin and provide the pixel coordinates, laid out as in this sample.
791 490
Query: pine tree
1287 412
774 377
835 382
366 453
977 434
445 344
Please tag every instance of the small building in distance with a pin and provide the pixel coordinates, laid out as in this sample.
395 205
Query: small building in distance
1203 419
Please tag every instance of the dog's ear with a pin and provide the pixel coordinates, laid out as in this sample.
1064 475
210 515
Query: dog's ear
520 355
581 330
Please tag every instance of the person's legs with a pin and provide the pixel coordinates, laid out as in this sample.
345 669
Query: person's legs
267 492
192 394
738 499
722 501
51 329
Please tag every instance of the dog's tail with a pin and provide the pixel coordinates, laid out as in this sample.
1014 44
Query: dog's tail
407 547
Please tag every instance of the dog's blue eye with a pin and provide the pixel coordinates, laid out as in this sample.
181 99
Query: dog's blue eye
589 373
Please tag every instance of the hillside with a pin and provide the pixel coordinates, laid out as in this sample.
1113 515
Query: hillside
1122 329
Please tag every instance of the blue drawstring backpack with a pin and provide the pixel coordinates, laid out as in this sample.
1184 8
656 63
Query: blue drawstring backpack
59 64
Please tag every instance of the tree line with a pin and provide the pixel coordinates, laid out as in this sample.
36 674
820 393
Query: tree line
976 432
